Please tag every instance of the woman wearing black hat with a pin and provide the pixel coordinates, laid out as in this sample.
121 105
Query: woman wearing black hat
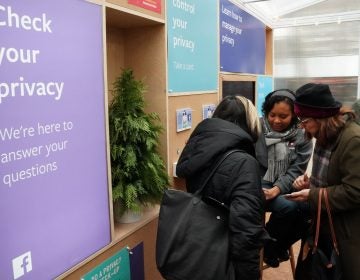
283 152
335 167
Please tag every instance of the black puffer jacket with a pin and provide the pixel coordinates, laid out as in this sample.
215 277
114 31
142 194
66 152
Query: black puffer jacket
236 183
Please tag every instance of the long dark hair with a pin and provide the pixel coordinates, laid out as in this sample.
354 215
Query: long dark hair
330 128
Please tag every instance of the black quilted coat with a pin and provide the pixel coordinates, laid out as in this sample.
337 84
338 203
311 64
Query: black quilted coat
236 183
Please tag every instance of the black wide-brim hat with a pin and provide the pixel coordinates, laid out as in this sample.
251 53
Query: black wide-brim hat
315 101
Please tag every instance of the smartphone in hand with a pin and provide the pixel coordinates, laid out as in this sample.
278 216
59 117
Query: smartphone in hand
288 196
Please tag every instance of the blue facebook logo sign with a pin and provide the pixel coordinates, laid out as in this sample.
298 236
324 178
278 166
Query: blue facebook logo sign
22 264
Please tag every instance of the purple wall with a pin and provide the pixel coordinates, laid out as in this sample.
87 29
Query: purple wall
54 207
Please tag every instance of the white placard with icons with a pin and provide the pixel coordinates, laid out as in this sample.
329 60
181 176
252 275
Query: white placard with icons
183 119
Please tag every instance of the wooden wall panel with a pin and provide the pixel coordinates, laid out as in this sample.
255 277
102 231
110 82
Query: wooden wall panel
143 50
269 52
115 48
145 54
177 140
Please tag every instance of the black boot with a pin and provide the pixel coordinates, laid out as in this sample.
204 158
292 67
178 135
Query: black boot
283 255
271 257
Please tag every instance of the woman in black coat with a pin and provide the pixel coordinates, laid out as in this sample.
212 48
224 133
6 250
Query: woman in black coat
236 182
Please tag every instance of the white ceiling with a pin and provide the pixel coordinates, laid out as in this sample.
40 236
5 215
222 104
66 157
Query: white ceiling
283 13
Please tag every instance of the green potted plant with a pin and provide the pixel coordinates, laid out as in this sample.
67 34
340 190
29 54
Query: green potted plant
139 176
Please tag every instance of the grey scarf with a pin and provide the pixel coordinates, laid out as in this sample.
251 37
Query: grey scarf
277 144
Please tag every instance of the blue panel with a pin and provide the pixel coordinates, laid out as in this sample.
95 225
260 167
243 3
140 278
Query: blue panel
192 45
242 40
264 86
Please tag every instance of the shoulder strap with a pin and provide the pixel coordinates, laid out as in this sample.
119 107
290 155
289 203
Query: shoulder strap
331 225
323 192
214 169
317 230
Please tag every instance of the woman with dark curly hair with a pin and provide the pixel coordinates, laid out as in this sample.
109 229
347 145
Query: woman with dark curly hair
283 152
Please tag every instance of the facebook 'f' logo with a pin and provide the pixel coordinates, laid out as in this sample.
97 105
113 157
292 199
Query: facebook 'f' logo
21 265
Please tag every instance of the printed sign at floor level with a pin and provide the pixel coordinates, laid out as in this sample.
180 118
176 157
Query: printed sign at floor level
115 267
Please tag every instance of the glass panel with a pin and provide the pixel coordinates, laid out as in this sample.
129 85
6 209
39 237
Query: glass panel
325 53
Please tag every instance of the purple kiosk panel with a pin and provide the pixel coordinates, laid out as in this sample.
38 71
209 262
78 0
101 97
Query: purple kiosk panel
54 205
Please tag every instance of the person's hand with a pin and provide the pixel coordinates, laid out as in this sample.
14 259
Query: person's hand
271 193
302 195
302 182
